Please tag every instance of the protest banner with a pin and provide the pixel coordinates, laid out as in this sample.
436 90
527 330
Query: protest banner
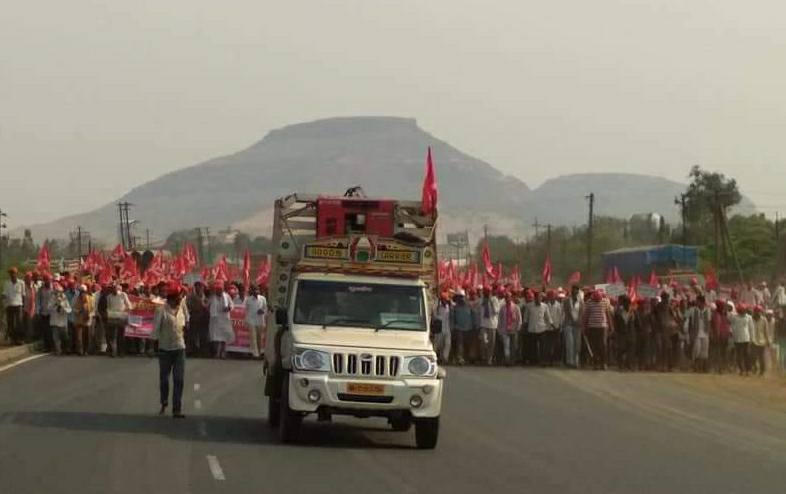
242 343
140 318
647 291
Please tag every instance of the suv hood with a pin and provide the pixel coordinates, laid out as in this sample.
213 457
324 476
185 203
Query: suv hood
385 339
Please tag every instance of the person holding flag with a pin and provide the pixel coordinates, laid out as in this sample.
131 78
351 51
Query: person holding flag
169 324
221 331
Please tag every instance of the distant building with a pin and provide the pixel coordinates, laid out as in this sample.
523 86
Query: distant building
640 261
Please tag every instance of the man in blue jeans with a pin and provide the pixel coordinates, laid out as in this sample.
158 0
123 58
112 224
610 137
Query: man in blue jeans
168 329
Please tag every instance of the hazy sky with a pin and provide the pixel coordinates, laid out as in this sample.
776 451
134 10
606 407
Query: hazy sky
99 96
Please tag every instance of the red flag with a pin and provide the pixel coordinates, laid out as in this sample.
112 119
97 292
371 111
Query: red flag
615 275
515 278
429 198
653 281
119 253
222 270
190 256
246 268
129 270
547 271
43 262
711 280
263 275
489 269
574 278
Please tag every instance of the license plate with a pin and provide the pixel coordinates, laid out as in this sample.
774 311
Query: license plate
365 389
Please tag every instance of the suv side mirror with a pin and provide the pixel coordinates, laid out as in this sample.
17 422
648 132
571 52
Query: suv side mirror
282 318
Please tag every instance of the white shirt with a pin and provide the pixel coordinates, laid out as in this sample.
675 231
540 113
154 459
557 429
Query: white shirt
741 328
492 320
254 304
58 319
13 293
118 305
538 318
556 313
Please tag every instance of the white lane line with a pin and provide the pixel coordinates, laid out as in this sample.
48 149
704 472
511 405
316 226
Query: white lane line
202 429
198 404
196 386
215 468
20 362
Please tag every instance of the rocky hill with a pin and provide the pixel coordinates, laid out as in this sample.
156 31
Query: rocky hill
383 154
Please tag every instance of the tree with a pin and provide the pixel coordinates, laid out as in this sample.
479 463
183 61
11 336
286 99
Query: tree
708 194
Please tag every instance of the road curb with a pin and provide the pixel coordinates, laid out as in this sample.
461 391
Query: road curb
10 354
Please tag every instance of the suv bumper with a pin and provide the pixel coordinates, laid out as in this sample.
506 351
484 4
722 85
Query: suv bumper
334 394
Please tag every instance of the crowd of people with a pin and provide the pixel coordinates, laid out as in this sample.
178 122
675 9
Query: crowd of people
80 317
683 328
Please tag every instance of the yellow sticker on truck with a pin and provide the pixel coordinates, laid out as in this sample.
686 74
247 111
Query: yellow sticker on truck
321 252
399 256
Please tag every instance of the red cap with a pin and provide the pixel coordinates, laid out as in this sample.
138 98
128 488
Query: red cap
758 308
597 295
173 289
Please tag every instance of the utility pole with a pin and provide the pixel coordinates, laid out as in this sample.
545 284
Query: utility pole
716 225
590 226
680 201
125 225
79 242
3 226
777 245
537 228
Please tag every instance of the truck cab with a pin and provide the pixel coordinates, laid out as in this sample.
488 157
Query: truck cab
349 334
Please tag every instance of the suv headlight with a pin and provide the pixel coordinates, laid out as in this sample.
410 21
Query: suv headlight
311 360
421 366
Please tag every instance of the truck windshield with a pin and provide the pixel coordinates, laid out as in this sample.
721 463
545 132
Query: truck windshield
383 307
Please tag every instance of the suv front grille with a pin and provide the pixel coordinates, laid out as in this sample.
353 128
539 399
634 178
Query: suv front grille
365 364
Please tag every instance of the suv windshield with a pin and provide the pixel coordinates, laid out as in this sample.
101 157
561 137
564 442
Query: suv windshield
335 303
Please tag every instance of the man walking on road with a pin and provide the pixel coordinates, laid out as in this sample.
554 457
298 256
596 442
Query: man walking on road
256 311
668 323
573 307
117 307
489 320
463 324
538 323
741 329
759 340
598 324
169 325
13 297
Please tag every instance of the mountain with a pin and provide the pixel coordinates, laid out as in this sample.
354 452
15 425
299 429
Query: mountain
383 154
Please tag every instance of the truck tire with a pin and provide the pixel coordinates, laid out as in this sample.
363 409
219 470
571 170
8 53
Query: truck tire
289 421
427 433
273 412
401 423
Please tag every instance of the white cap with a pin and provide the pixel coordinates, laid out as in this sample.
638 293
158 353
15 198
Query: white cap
460 292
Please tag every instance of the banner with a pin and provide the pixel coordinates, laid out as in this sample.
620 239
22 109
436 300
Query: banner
140 324
647 291
242 343
140 318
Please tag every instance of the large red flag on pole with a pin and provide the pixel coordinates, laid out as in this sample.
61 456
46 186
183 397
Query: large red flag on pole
42 264
246 269
547 271
429 198
488 266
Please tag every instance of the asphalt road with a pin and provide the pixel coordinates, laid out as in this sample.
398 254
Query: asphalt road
89 425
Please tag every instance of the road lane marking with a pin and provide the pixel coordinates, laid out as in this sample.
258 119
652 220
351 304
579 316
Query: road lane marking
198 404
20 362
196 386
202 429
215 468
